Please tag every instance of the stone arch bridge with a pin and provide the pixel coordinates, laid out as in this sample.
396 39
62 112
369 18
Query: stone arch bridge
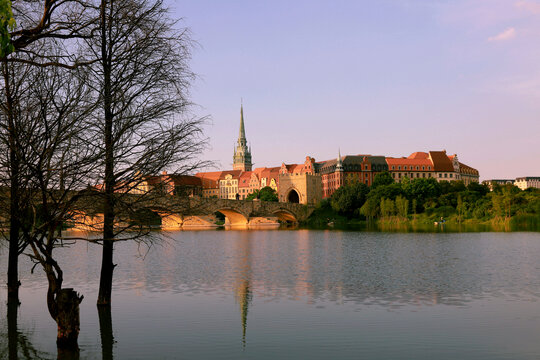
176 212
237 212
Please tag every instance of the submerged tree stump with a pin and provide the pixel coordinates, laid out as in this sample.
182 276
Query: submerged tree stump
68 319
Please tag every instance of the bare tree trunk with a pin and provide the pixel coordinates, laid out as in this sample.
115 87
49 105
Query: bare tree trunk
107 266
68 319
13 257
63 306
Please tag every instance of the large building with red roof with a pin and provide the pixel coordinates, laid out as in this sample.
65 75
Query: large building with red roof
344 170
432 164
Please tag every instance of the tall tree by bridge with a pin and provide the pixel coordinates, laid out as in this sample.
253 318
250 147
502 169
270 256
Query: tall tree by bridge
144 124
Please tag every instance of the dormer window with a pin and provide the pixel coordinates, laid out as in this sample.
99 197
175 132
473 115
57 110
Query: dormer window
405 167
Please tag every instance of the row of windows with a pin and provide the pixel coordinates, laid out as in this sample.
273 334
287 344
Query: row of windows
447 175
410 167
411 175
229 190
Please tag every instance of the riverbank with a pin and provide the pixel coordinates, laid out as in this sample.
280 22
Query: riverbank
327 218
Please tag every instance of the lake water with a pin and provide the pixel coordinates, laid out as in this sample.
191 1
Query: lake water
298 294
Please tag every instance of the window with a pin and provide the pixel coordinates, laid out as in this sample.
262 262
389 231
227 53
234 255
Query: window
405 167
393 167
417 168
440 175
423 168
451 175
366 167
445 175
399 167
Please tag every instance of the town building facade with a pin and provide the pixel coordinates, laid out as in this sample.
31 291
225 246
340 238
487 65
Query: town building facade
527 182
340 171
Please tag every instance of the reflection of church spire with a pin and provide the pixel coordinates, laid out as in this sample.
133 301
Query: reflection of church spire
243 292
244 298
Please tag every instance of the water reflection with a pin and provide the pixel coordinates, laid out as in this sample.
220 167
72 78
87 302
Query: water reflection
106 332
15 343
242 286
301 290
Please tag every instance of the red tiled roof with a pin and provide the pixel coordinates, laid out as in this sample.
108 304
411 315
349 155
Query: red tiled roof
214 175
467 169
440 160
244 179
183 180
418 155
270 173
235 174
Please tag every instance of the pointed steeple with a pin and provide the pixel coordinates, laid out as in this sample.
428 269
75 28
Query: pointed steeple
339 163
242 153
242 134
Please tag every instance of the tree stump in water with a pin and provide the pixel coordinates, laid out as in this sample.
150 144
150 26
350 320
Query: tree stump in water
68 319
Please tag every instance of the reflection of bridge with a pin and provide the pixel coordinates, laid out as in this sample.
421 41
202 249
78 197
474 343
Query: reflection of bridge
177 212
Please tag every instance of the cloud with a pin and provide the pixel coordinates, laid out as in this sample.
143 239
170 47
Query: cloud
507 34
530 6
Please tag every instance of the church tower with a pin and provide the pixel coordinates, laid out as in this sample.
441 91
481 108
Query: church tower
242 155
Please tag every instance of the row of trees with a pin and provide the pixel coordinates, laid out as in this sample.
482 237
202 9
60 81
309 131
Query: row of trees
93 92
432 200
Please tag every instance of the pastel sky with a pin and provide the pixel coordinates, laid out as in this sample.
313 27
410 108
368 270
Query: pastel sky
381 77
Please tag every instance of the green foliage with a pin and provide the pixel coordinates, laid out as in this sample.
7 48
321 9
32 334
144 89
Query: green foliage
370 209
480 189
387 207
430 200
390 191
402 206
421 190
348 199
265 194
7 24
384 178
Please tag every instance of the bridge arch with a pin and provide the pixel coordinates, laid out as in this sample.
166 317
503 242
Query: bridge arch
285 215
234 216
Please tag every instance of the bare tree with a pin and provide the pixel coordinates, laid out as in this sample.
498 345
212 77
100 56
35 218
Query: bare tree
26 31
144 123
57 162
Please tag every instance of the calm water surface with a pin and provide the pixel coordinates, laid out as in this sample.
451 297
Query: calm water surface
299 294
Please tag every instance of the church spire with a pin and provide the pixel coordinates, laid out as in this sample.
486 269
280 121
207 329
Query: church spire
242 154
339 163
242 134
